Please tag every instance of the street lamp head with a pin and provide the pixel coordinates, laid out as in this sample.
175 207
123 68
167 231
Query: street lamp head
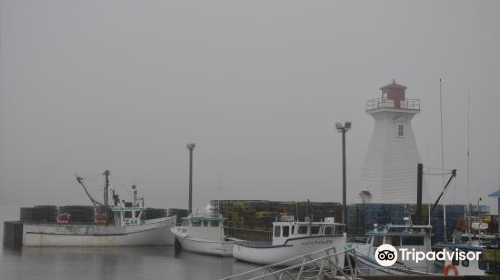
190 146
338 126
347 125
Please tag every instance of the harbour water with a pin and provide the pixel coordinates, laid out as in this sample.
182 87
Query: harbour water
122 263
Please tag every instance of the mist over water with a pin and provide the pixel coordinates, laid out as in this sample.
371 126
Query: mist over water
125 263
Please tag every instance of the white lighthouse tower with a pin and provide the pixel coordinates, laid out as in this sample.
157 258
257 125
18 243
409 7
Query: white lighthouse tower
390 170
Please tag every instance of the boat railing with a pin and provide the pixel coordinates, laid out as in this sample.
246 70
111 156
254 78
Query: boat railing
250 235
419 270
322 264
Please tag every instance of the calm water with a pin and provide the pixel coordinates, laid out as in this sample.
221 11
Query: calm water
109 263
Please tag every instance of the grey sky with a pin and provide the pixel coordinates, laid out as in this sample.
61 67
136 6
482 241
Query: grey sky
257 85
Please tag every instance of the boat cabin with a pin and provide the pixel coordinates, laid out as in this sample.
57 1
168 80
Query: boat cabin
287 228
204 227
401 236
129 215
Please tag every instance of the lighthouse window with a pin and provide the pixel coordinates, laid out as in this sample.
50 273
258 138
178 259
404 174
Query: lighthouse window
401 130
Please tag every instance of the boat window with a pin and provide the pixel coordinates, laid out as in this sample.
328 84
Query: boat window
328 230
465 263
455 262
413 240
215 223
293 230
277 231
205 223
128 214
137 213
286 231
394 240
482 264
196 223
315 230
302 230
378 240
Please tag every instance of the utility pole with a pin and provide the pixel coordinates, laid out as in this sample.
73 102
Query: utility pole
343 130
190 147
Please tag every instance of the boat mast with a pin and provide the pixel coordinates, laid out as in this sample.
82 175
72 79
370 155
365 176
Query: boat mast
106 187
94 202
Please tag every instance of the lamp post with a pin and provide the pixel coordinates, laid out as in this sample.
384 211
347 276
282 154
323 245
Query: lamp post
190 147
343 129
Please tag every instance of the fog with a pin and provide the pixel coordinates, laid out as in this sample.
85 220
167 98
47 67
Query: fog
88 86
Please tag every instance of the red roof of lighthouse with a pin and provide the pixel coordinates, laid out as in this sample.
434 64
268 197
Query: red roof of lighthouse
393 85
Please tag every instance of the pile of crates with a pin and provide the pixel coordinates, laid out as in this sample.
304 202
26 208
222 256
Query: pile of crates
40 213
260 214
362 217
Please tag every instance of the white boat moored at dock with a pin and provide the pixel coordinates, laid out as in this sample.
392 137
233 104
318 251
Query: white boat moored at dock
204 234
291 239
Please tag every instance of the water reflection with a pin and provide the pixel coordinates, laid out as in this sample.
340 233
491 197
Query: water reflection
115 263
121 263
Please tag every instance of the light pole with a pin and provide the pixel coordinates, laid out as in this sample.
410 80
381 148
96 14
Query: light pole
190 147
343 129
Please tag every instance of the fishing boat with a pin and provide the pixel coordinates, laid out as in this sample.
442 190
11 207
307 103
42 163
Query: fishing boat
122 224
204 234
473 241
406 236
292 238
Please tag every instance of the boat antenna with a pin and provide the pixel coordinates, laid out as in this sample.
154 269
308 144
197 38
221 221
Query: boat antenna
442 155
296 204
468 140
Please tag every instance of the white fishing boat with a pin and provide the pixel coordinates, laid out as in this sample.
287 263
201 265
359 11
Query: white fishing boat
204 234
124 224
407 236
290 239
473 242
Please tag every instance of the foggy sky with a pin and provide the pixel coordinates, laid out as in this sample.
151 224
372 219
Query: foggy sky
87 86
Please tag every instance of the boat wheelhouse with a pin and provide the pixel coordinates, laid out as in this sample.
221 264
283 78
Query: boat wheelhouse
204 234
407 236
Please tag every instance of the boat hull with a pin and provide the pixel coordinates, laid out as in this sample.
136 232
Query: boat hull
223 249
292 248
203 246
153 232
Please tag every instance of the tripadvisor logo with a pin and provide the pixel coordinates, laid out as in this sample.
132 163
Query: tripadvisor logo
387 255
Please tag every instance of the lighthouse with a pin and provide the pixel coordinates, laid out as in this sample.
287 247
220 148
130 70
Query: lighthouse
389 173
